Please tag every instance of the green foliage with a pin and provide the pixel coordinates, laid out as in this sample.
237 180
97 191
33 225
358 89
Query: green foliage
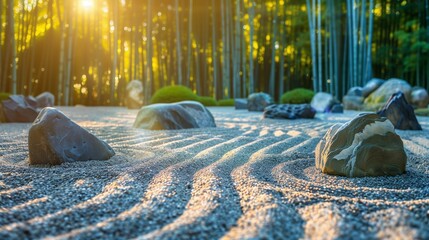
173 94
422 112
4 96
207 101
297 96
226 102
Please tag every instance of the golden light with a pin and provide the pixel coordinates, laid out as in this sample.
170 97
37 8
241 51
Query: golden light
87 4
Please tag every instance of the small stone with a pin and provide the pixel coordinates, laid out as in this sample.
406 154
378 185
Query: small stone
322 102
365 146
240 103
289 111
400 113
45 99
371 86
420 97
134 98
168 116
353 102
54 139
18 109
337 108
259 101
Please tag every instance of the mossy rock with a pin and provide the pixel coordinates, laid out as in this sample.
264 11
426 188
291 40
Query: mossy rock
226 102
207 101
173 94
4 96
297 96
422 112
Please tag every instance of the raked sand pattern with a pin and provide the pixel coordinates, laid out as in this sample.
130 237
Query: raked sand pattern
248 178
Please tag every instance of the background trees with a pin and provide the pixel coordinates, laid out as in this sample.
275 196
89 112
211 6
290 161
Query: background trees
86 51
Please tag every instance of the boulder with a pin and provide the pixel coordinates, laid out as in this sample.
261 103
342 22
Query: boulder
337 108
371 86
289 111
134 98
355 91
420 97
18 109
240 103
322 102
45 99
383 93
168 116
400 113
54 139
258 101
365 146
353 102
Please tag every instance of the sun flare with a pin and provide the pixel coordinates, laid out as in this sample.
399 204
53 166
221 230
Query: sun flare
87 4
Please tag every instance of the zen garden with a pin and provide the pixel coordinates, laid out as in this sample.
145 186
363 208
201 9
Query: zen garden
214 119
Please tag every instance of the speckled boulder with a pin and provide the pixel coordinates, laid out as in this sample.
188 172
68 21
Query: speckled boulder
289 111
18 109
322 102
371 86
365 146
45 99
420 97
134 98
168 116
54 139
400 113
383 93
259 101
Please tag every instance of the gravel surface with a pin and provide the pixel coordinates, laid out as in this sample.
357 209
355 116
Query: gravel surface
248 178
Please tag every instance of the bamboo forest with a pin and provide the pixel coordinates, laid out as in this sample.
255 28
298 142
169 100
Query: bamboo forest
87 51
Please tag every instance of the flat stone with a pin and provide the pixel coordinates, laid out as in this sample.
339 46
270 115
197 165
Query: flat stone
322 102
54 139
353 102
168 116
365 146
420 97
371 86
400 113
289 111
259 101
18 109
240 103
45 99
383 93
134 97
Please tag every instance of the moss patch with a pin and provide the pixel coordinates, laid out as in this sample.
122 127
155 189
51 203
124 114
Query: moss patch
4 96
297 96
422 112
173 94
226 102
207 101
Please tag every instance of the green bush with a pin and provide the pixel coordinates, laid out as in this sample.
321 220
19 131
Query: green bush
207 101
173 94
422 112
297 96
4 96
226 102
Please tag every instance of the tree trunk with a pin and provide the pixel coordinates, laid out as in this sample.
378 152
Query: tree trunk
178 46
214 52
251 33
272 83
188 67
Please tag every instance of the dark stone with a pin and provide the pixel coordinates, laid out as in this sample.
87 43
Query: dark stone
355 91
134 98
54 139
240 103
18 109
168 116
371 86
322 102
258 101
353 102
289 111
337 108
400 113
365 146
420 97
45 99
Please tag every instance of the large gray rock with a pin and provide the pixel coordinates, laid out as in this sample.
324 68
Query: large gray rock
258 101
18 109
54 139
383 93
45 99
134 98
353 102
240 103
365 146
355 91
420 97
167 116
289 111
400 113
322 102
371 86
